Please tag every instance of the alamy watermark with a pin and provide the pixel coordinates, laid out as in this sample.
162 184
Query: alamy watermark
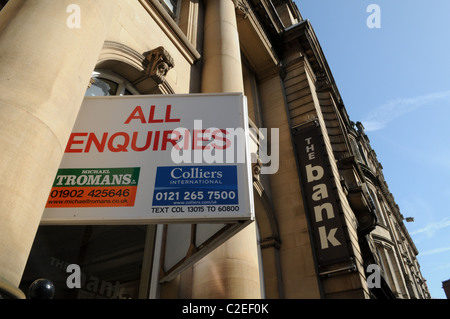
373 279
73 21
88 283
374 19
74 280
213 145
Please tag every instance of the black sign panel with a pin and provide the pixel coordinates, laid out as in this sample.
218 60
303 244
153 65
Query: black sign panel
326 225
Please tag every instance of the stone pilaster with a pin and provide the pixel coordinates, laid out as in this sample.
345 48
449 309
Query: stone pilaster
46 62
231 270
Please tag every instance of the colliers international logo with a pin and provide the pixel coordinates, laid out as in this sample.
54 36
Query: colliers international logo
196 175
196 185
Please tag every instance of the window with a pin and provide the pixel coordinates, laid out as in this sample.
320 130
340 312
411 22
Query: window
356 148
171 6
378 209
106 83
110 258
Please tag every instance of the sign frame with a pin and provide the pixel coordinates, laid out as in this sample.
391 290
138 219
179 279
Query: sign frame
129 119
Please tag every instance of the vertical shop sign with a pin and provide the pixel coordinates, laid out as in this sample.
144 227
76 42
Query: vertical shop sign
324 214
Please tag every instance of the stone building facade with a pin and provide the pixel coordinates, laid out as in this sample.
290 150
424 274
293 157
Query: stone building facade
326 224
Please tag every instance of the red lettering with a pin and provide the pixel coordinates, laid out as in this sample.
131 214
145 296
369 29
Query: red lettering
73 141
119 147
186 139
168 110
151 118
196 138
171 140
223 138
156 140
141 141
100 145
183 135
147 143
139 115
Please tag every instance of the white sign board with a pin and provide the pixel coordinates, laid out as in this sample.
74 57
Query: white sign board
155 159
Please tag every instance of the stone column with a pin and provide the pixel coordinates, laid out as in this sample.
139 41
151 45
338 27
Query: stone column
48 50
222 69
232 270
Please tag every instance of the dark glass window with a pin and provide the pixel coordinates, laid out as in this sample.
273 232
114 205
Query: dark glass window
110 260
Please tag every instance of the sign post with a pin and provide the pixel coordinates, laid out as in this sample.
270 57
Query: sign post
155 159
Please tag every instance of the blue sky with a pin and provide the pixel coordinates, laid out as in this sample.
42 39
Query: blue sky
396 80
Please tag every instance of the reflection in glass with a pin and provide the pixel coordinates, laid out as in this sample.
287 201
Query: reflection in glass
170 6
110 260
102 87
